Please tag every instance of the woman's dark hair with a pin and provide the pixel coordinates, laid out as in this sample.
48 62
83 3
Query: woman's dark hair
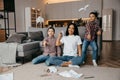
75 29
95 13
51 28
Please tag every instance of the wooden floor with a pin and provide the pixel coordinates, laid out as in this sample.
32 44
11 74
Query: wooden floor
110 55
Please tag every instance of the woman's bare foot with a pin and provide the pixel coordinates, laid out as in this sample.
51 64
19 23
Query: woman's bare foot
66 64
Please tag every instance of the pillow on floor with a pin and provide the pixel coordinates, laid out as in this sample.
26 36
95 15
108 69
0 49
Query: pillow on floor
18 38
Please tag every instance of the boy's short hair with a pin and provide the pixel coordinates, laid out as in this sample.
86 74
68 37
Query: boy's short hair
51 28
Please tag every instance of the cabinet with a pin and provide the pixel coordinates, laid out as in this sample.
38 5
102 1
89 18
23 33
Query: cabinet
30 17
2 35
107 24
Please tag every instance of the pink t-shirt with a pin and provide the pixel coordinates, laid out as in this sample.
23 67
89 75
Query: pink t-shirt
51 49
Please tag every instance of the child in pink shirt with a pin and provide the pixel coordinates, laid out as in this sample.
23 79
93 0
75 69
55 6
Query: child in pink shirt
50 48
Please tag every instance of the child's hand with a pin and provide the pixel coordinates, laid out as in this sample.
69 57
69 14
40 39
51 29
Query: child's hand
58 43
79 54
99 33
60 35
89 37
45 43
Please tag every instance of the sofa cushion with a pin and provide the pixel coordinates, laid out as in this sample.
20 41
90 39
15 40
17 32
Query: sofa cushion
18 38
36 36
28 48
25 33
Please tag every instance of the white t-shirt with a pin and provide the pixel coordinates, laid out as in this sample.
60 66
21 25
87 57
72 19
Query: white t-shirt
70 44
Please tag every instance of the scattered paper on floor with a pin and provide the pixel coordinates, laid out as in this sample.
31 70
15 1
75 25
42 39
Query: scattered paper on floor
70 73
8 76
52 69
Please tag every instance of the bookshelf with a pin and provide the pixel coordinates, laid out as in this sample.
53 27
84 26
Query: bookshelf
7 8
30 17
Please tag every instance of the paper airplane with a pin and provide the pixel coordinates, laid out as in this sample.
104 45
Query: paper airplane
84 8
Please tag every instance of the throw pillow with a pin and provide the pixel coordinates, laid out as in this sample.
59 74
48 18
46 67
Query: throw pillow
36 36
16 38
25 33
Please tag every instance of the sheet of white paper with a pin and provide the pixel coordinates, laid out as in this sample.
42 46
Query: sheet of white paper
75 74
70 73
65 74
8 76
52 69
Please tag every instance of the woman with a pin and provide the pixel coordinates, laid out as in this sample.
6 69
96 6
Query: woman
72 48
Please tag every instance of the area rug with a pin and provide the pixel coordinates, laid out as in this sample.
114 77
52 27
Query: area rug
29 71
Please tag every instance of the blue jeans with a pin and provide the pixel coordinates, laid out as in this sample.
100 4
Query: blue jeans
85 46
40 59
57 61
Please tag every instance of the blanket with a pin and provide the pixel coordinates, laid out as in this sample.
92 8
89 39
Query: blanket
8 52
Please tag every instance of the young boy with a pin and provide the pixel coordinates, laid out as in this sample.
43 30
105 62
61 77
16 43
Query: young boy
92 31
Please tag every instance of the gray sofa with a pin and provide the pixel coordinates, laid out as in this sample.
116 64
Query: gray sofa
27 49
26 46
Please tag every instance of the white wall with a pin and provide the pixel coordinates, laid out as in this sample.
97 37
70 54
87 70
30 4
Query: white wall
20 11
115 5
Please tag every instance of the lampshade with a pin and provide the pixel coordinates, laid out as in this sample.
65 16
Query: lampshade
40 19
